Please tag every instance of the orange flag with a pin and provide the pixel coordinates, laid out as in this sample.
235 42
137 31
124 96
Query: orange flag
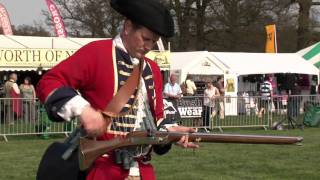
271 42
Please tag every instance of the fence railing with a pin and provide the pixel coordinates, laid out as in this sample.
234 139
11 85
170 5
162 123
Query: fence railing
245 111
20 116
27 117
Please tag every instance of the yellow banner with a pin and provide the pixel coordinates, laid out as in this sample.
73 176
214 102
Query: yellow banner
162 58
45 58
271 39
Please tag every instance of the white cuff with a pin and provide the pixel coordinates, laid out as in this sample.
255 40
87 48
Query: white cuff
72 108
134 170
166 126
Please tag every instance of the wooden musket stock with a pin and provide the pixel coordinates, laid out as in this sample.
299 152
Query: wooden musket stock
90 150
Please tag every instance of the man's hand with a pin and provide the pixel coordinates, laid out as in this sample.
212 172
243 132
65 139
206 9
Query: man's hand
184 141
92 121
178 96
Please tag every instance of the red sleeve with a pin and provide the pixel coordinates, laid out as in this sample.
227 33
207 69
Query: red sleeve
157 77
73 72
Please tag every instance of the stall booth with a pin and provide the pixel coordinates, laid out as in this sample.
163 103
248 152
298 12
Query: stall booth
202 67
240 65
200 64
30 56
163 59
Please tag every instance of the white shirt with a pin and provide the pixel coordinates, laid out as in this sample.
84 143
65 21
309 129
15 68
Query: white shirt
208 94
172 89
191 87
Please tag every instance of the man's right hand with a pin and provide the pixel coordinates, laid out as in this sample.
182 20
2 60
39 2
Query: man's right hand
92 121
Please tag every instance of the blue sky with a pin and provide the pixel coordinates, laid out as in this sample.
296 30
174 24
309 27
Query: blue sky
25 11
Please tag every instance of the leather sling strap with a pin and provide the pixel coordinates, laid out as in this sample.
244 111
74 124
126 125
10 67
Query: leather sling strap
124 93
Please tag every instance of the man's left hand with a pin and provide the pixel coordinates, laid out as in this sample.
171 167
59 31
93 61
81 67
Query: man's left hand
184 141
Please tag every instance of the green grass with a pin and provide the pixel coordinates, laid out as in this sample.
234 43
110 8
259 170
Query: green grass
20 156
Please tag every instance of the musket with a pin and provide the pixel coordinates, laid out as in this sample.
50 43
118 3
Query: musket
90 150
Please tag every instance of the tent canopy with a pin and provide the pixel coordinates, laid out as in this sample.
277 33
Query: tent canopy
264 63
195 63
27 53
44 42
311 54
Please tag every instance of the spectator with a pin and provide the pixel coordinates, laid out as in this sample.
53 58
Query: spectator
12 102
273 83
29 98
294 101
209 103
266 96
220 86
313 88
190 87
172 89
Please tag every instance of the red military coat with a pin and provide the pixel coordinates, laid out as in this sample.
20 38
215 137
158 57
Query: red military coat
93 71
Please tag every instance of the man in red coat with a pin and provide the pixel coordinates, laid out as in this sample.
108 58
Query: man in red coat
85 83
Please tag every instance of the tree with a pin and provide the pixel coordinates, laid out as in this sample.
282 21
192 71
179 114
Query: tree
214 25
182 13
93 18
238 25
303 32
27 30
225 25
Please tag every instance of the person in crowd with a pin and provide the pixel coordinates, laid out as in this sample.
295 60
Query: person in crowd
102 67
220 85
313 87
28 96
294 101
275 100
211 93
190 86
273 83
12 99
266 96
1 89
172 89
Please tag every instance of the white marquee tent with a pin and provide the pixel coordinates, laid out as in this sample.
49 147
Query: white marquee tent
311 54
43 42
264 63
21 53
195 63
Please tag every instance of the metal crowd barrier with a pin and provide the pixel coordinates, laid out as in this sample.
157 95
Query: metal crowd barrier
244 111
26 117
20 116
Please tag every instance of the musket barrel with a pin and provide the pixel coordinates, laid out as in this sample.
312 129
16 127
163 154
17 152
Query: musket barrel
90 150
233 138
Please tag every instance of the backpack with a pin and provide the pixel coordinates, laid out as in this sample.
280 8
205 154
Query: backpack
184 87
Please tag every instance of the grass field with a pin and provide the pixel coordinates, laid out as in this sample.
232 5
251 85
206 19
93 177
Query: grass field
20 156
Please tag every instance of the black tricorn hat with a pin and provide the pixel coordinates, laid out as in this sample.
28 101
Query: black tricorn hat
149 13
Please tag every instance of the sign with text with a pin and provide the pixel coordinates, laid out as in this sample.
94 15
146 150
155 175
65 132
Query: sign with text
162 58
190 107
56 19
45 58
